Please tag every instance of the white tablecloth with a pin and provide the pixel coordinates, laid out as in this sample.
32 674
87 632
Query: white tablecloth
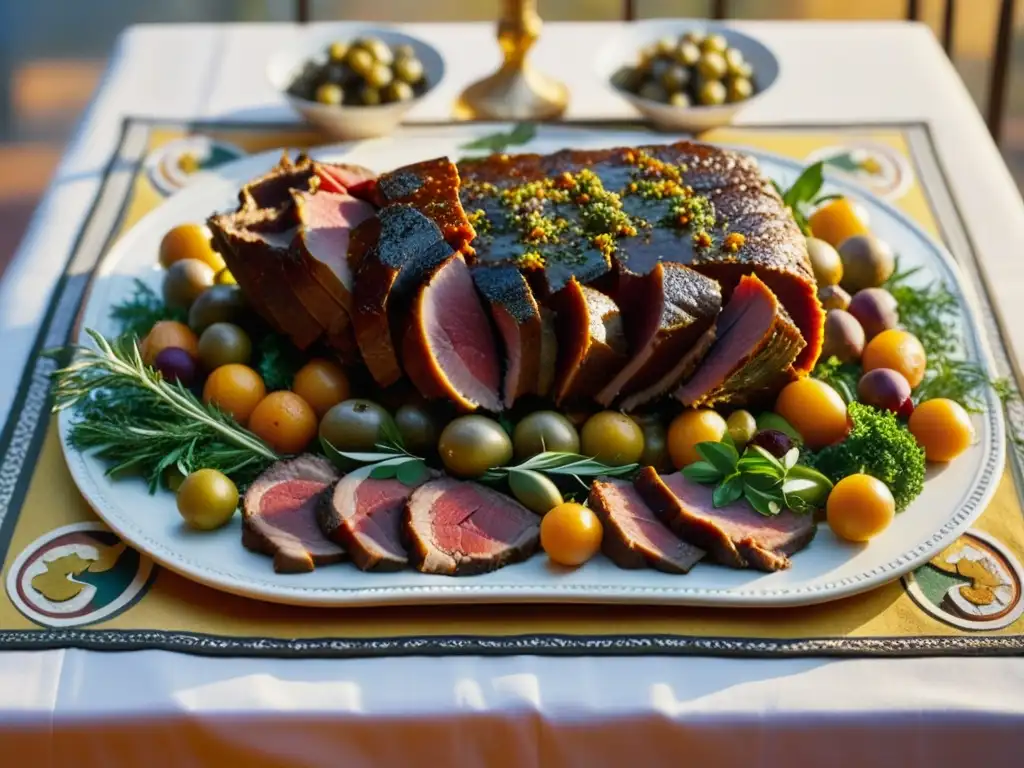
158 708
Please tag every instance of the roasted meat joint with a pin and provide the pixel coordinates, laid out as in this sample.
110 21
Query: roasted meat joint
613 277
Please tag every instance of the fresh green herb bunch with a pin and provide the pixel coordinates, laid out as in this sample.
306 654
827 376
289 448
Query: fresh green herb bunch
139 423
137 314
842 377
563 464
802 196
768 484
880 446
277 361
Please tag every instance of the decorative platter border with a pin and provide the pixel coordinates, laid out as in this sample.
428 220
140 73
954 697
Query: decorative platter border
530 582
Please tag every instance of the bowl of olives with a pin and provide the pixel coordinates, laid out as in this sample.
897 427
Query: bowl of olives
359 81
683 75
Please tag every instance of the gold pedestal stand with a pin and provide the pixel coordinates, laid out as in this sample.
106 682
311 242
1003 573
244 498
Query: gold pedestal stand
516 91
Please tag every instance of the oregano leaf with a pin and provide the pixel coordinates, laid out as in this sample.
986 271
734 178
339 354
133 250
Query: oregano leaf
729 491
721 457
702 472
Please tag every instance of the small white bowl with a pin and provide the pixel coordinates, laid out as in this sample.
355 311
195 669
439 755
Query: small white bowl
349 121
623 50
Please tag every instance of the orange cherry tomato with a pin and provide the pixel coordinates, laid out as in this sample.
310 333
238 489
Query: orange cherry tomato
942 427
815 410
168 333
898 350
189 241
837 220
284 421
236 389
571 534
692 427
859 507
322 384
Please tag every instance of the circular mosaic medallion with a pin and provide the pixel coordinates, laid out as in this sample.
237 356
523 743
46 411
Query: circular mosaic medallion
77 574
974 583
173 165
880 168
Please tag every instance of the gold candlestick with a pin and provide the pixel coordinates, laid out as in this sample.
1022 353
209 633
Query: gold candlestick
516 91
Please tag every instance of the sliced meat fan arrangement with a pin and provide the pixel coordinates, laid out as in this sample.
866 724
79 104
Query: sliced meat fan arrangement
614 276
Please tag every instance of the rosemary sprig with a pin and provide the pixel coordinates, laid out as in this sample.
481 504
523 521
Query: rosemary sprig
563 464
138 422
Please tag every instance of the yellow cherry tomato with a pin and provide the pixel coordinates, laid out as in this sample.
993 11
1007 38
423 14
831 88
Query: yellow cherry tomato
859 507
165 334
815 410
692 427
236 389
898 350
322 384
570 534
224 277
189 241
207 499
837 220
284 421
612 438
942 427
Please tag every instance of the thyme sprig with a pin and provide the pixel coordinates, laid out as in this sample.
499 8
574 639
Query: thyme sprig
138 422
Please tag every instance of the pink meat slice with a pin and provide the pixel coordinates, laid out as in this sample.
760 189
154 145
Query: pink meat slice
342 177
449 350
633 535
457 528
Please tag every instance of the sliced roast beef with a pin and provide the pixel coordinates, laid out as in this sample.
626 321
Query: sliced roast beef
363 514
344 178
279 515
592 345
665 313
449 350
517 317
458 528
634 537
409 246
273 189
733 535
431 187
756 344
256 246
548 364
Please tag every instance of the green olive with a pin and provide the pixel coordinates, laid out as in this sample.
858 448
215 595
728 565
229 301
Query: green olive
714 44
222 303
330 94
356 425
687 54
679 99
222 344
185 281
360 60
825 262
337 51
655 453
379 76
369 97
398 91
207 499
739 89
693 36
409 69
742 427
675 78
534 491
712 93
418 428
404 51
653 91
628 79
612 438
645 56
665 46
471 445
711 66
744 69
544 431
378 49
867 262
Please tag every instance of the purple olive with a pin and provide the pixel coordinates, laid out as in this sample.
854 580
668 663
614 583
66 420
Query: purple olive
833 297
175 364
776 443
875 310
886 389
844 337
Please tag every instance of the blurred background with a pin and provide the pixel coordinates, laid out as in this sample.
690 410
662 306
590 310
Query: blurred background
48 70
